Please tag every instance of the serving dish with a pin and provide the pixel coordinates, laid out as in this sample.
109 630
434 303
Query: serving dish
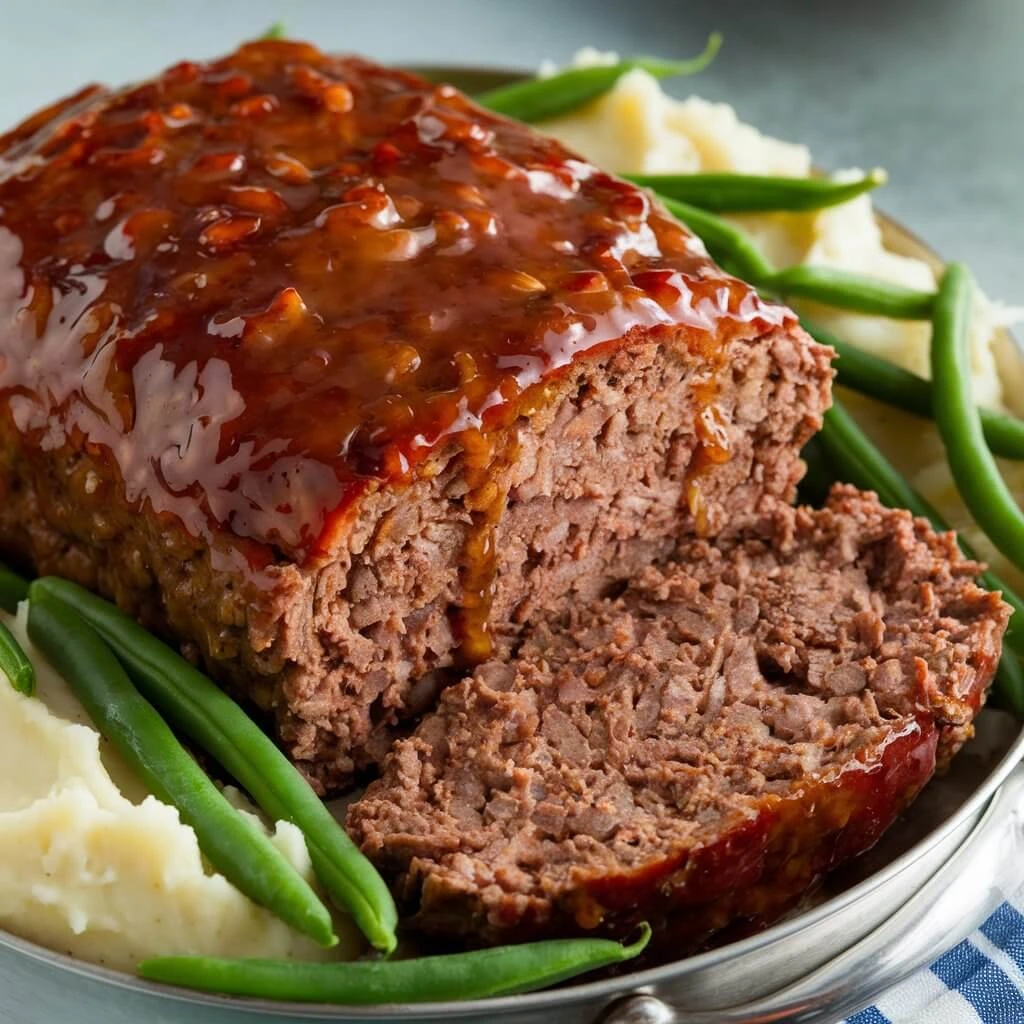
957 822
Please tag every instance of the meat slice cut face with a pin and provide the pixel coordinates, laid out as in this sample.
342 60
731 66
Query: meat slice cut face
699 749
332 377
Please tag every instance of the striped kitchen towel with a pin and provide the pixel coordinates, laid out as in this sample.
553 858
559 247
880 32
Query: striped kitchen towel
980 980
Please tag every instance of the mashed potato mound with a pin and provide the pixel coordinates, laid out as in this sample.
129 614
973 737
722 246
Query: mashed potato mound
92 866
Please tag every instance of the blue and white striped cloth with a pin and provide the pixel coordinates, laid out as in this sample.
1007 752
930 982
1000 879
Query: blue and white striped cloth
980 980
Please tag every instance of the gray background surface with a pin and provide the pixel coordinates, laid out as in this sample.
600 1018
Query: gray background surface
930 89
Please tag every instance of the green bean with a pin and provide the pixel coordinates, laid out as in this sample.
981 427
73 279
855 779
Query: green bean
732 247
539 99
856 292
275 31
977 477
724 241
754 193
14 663
879 379
232 843
13 590
199 709
503 970
857 461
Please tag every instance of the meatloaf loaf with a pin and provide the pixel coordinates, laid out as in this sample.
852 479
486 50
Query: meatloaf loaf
700 748
332 375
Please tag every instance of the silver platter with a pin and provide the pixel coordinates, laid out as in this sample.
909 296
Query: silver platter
929 882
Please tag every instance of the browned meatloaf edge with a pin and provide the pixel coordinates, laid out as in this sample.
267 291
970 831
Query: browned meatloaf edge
700 749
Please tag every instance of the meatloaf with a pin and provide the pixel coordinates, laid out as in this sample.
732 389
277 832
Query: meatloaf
699 749
333 376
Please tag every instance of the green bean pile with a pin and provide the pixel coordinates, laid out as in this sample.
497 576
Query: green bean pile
200 710
136 689
14 663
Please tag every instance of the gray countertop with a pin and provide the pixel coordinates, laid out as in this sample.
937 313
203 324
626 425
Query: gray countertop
930 89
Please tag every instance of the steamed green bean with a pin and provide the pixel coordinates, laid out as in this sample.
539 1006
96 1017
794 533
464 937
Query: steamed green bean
755 193
857 292
971 463
725 241
538 99
482 973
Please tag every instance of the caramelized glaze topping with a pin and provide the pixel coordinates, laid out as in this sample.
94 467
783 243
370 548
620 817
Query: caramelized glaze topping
260 285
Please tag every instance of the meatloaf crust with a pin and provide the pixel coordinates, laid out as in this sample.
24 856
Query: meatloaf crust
333 376
699 749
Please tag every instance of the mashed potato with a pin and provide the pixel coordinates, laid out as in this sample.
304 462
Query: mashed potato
637 128
92 866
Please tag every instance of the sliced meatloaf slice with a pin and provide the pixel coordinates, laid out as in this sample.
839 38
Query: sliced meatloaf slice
699 749
331 375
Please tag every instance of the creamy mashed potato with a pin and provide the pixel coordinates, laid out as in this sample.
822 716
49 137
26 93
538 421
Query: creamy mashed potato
637 128
92 866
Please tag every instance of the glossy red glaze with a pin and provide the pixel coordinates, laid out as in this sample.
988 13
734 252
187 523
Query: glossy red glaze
259 286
